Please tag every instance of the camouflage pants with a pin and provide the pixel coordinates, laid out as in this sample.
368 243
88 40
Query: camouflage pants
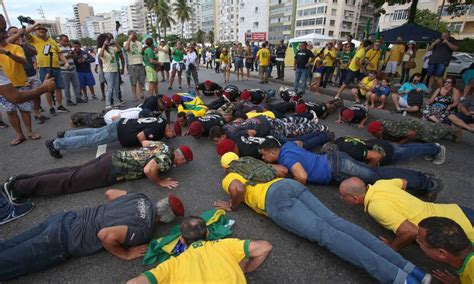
433 132
294 126
87 119
227 108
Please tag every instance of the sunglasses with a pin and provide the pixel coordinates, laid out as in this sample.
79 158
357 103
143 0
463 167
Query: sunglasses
416 81
448 82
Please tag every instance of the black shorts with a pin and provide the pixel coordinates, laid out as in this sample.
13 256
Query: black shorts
166 66
351 75
248 64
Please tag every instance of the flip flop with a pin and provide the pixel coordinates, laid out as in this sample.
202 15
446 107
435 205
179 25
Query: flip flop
17 141
34 137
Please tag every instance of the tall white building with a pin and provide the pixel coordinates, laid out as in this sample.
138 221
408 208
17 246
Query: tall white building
93 26
81 11
397 15
69 28
207 15
281 20
190 27
132 18
253 20
107 25
227 20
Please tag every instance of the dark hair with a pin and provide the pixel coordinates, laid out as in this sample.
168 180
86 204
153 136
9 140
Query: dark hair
264 45
101 39
193 229
446 234
270 143
63 36
181 114
76 42
453 80
149 41
11 27
216 132
366 43
417 74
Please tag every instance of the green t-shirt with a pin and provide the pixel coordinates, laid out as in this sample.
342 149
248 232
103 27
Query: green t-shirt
177 55
147 55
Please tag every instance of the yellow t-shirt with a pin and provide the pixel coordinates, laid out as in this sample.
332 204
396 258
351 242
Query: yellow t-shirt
263 56
328 62
225 59
204 262
360 54
254 195
396 53
134 55
265 113
369 84
466 272
109 63
14 70
42 61
373 58
390 205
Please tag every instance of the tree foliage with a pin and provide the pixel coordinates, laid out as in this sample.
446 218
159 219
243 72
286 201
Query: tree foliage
428 19
87 42
183 12
211 37
121 38
200 36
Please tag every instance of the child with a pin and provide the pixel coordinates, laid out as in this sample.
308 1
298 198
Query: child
316 70
381 92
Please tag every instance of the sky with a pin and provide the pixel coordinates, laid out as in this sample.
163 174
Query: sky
54 8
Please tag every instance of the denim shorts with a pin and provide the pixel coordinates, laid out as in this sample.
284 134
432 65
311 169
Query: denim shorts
436 70
239 63
465 118
56 73
86 79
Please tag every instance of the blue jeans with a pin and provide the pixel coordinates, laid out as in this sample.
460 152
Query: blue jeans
113 84
403 152
310 140
293 207
87 137
343 76
344 166
39 248
301 74
5 207
469 214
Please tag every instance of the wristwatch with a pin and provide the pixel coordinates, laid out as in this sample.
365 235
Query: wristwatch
8 53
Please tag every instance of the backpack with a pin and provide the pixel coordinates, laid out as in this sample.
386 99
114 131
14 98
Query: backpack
253 170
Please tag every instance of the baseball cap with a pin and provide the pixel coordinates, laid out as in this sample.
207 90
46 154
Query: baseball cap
187 153
177 128
167 101
195 129
245 95
162 40
208 82
176 99
225 146
374 126
176 205
300 108
347 114
41 28
227 158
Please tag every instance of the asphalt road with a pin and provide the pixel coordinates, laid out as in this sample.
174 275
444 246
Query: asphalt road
293 260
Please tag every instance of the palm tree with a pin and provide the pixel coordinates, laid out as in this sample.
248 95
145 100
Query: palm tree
164 18
210 37
183 12
200 36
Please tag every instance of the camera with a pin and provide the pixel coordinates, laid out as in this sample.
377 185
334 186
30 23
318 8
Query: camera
27 20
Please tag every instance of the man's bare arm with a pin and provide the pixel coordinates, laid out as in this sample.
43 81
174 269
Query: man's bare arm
11 94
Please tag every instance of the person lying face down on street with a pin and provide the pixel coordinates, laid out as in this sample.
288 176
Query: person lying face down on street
128 132
123 227
293 207
110 168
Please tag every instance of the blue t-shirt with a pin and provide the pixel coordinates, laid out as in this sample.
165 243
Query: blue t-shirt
408 87
316 166
382 91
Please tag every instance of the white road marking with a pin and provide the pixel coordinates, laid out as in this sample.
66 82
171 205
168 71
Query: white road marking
101 150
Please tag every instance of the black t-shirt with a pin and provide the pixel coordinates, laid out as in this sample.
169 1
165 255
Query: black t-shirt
128 129
382 146
153 104
280 51
356 148
257 96
442 53
248 146
214 87
318 107
360 112
208 121
302 58
234 92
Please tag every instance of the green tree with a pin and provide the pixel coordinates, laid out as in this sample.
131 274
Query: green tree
183 12
87 41
428 19
200 36
210 37
163 15
121 38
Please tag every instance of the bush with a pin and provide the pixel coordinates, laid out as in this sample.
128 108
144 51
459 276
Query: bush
466 45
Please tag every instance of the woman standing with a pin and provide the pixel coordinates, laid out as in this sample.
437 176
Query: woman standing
192 61
218 60
239 61
177 64
151 62
408 61
107 53
225 64
442 103
248 60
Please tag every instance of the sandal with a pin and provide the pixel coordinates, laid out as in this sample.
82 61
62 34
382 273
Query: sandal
34 136
17 141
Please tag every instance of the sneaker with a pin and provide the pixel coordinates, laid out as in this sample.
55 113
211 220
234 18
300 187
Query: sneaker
94 97
440 158
328 147
62 109
81 100
18 212
428 158
436 188
163 80
3 124
41 109
52 151
52 111
121 103
60 134
422 276
315 118
69 103
9 192
41 119
179 87
169 88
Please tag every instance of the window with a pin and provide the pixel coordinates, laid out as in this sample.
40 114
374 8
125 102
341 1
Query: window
399 15
332 23
331 33
333 12
334 1
455 27
242 19
256 10
255 25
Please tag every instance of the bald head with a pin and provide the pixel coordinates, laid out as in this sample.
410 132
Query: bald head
353 190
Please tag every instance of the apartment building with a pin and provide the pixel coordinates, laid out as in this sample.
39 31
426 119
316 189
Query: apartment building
81 11
207 15
253 20
281 20
132 18
227 20
190 27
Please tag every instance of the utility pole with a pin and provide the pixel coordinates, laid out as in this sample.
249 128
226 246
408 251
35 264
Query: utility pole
439 15
5 13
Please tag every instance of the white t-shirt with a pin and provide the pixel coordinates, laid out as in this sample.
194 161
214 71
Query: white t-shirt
3 78
164 56
191 58
129 113
134 55
108 60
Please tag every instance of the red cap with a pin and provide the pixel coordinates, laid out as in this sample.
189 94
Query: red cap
176 205
195 129
225 146
187 153
374 126
176 99
177 128
167 101
227 94
245 95
208 82
347 114
300 108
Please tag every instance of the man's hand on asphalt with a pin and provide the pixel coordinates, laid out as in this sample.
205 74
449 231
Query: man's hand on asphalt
136 252
168 183
225 205
446 277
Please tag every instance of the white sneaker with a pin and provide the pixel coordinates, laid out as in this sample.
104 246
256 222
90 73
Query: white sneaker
440 158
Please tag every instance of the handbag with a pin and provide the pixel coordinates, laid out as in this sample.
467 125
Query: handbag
410 65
